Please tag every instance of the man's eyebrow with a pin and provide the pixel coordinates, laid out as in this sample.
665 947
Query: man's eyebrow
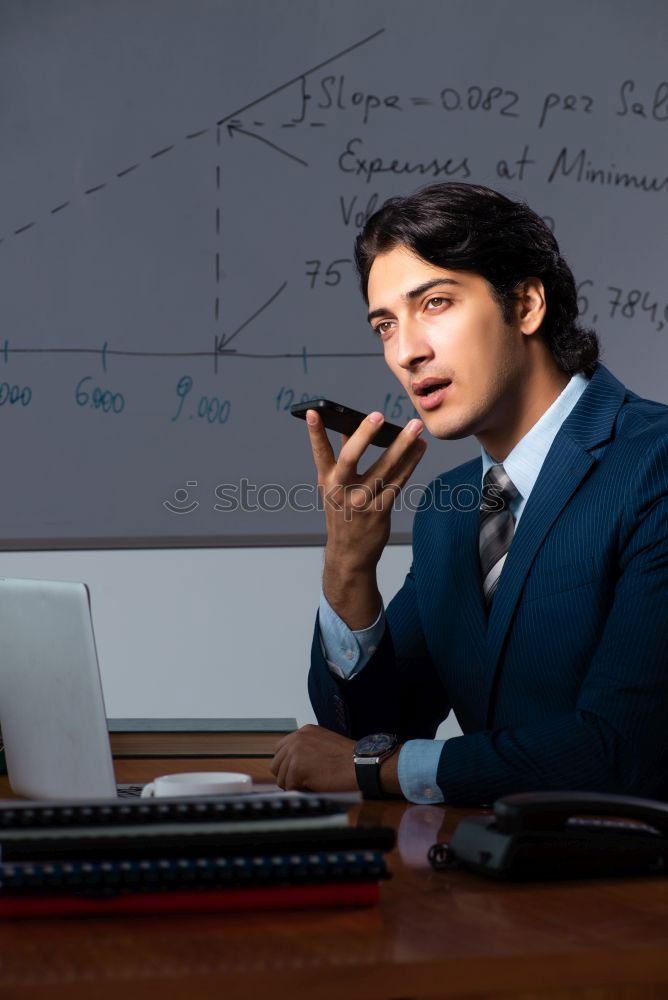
415 293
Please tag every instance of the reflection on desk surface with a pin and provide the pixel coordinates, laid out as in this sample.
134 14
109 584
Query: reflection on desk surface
433 935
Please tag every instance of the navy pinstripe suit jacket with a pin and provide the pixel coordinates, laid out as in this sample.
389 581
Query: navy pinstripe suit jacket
566 685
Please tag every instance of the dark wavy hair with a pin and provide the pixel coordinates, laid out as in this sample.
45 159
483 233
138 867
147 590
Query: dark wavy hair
466 227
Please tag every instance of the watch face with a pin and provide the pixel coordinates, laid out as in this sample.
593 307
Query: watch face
371 746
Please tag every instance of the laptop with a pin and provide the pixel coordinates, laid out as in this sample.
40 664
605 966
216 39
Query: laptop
52 714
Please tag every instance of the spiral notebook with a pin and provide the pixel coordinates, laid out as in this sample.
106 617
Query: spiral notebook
176 855
66 885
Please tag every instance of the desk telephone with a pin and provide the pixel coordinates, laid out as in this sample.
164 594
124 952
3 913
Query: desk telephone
541 835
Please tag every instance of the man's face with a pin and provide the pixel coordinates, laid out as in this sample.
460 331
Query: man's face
437 327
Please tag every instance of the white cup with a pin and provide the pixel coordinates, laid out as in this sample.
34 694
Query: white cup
198 783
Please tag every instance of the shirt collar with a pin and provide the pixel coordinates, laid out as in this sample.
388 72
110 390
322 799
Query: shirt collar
524 462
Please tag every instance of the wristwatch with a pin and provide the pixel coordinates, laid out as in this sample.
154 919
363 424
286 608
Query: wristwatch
368 755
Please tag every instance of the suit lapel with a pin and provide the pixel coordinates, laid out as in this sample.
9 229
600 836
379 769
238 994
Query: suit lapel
567 463
467 600
464 591
451 592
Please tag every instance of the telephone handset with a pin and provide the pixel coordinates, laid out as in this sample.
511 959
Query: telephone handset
560 835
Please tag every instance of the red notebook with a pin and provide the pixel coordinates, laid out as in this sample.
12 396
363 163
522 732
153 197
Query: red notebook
291 897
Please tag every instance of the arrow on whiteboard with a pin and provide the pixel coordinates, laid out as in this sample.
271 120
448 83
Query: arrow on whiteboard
235 126
221 345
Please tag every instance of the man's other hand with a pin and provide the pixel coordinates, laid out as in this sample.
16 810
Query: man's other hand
316 760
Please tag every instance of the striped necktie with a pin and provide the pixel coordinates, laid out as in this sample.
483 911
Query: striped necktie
497 526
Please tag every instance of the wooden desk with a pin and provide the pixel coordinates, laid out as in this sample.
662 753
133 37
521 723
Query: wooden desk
433 935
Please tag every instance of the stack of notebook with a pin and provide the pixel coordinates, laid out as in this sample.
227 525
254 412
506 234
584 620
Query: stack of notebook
198 855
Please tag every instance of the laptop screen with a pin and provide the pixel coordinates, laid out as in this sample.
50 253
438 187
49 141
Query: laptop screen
51 704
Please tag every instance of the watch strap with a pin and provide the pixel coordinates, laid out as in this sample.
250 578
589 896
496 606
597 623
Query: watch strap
368 777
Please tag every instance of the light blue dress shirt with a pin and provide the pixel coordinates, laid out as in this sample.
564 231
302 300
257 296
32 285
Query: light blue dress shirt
347 652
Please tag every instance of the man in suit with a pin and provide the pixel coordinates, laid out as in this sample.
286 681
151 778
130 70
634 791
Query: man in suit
536 607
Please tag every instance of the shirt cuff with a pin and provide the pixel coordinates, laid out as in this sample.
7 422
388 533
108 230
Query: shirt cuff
417 769
347 651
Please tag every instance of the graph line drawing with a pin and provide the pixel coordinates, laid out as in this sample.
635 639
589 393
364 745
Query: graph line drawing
159 153
225 339
235 128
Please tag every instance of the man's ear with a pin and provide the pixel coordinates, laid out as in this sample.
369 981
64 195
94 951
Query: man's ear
530 305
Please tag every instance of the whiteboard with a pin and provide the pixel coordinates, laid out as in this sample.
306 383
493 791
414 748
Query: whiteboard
181 183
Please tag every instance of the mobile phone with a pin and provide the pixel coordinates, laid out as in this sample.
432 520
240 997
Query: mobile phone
337 417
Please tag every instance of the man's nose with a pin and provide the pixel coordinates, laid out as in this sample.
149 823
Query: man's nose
413 347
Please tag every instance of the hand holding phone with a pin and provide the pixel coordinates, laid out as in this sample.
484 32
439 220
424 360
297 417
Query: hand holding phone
358 506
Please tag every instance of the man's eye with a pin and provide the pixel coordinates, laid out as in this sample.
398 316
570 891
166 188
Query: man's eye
383 327
437 301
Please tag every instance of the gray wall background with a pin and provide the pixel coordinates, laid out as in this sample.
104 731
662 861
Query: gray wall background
170 173
90 89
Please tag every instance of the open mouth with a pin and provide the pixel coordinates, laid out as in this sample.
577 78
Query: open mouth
432 388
